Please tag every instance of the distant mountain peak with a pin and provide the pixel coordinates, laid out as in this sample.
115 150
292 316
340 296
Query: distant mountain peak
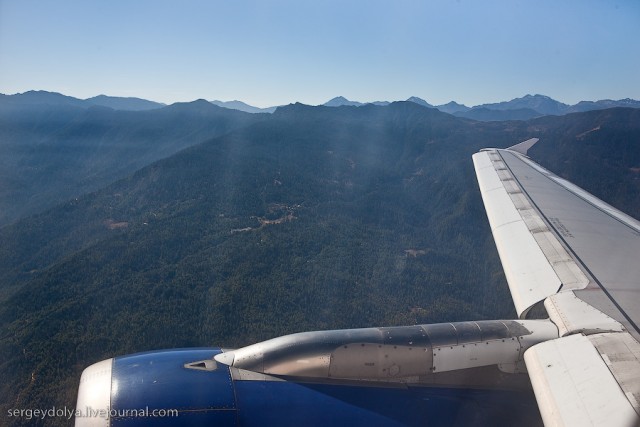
199 105
541 104
452 107
339 101
419 101
199 101
454 104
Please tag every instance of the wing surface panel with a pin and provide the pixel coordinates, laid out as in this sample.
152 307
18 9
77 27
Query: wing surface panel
603 241
590 255
530 276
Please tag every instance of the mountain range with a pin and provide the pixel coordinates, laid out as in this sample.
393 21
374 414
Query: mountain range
54 147
262 225
56 99
524 108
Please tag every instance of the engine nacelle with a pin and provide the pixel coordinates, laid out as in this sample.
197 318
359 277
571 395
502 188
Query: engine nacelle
397 352
445 373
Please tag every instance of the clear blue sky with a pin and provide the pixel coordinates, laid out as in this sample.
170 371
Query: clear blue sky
276 52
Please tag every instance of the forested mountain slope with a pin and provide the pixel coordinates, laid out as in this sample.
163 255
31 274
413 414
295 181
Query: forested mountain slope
53 152
314 218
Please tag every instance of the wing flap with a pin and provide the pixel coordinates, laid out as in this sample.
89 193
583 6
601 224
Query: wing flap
574 385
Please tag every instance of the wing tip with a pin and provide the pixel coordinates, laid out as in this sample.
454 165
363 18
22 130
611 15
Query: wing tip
524 146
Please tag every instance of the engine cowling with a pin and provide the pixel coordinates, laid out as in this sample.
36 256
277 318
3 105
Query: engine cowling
159 387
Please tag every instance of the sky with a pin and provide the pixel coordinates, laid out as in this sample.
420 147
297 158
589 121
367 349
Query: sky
277 52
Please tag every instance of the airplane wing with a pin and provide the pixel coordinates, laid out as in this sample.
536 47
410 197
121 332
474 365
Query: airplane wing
563 248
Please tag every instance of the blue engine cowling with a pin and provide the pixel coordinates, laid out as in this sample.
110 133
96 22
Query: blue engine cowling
187 387
158 388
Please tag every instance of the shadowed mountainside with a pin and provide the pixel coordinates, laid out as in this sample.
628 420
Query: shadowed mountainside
53 152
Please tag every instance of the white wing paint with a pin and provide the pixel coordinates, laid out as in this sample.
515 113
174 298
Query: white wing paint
562 247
